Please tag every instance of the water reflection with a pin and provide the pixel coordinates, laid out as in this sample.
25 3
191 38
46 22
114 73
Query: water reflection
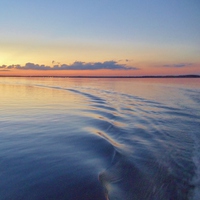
99 139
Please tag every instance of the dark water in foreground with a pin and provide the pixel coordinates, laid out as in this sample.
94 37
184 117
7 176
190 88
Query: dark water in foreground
98 139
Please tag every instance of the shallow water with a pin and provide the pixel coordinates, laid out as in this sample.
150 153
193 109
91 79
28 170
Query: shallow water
98 139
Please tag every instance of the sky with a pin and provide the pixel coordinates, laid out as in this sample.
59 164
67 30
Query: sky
99 37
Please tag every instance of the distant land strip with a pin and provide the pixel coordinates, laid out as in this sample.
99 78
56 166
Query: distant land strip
167 76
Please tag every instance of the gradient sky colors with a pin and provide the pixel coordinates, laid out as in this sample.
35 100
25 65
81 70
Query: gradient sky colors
107 37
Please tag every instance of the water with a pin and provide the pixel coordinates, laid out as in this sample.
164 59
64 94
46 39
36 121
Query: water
99 139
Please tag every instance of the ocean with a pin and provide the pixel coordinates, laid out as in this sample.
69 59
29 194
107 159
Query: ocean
99 138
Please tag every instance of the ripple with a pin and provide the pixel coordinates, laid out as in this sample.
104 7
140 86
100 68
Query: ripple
116 145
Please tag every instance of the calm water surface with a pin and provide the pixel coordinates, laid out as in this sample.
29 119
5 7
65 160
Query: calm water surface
99 139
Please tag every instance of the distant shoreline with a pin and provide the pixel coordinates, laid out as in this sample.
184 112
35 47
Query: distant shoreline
168 76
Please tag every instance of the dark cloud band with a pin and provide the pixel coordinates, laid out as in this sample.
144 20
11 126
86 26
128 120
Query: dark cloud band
110 65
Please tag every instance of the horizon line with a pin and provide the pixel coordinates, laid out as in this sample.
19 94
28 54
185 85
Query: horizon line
145 76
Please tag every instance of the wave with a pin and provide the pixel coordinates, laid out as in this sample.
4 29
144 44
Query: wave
144 148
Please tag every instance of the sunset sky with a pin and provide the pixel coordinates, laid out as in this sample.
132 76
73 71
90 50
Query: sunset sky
100 37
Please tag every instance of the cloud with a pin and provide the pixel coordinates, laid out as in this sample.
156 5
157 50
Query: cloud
111 65
3 66
179 65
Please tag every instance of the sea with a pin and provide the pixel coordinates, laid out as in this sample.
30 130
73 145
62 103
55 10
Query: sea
99 138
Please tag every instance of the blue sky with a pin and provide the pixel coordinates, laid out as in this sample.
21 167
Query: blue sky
145 31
